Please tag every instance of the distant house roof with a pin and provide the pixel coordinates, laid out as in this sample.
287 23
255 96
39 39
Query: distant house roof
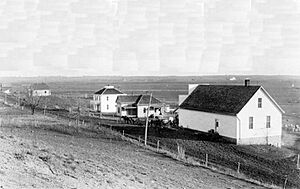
108 90
137 99
40 86
128 99
222 99
146 98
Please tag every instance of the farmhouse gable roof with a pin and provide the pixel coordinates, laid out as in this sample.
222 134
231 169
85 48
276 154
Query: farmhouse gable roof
40 86
128 99
145 99
137 99
108 91
221 99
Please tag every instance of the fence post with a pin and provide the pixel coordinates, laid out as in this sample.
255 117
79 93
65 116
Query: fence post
123 132
285 181
298 161
238 169
206 160
158 145
139 138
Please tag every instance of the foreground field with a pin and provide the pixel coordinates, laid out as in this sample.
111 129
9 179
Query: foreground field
267 164
34 156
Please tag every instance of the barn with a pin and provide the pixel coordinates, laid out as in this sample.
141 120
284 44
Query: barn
242 113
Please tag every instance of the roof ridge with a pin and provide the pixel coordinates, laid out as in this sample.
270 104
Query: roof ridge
139 99
118 90
103 91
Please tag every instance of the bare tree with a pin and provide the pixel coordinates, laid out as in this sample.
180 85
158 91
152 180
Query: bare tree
32 100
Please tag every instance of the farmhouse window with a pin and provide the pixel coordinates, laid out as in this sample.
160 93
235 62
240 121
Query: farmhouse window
145 109
107 106
107 98
216 125
250 122
268 125
259 102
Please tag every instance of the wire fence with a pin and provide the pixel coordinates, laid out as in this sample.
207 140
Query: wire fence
262 170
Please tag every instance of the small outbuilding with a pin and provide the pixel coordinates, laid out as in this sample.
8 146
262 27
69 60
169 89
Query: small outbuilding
244 114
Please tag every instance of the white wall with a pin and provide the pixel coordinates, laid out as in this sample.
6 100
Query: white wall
181 98
192 87
121 113
102 100
259 131
111 102
203 121
141 113
41 93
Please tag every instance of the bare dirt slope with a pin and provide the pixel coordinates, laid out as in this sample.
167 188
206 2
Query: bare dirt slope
37 158
55 160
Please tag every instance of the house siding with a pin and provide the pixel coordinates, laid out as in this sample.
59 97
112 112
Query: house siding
110 103
203 121
260 134
141 113
102 102
44 92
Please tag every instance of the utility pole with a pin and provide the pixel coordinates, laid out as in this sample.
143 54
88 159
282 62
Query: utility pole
298 162
147 119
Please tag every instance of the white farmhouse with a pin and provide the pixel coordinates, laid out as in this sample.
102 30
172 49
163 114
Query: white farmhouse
104 100
243 114
40 89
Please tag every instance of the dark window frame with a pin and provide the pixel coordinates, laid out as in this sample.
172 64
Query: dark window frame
251 122
268 122
259 102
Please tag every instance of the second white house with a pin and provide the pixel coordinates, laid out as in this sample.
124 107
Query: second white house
104 100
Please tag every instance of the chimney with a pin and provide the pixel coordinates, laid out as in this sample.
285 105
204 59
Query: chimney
247 82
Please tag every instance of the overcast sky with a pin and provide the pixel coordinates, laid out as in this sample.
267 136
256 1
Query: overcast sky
149 37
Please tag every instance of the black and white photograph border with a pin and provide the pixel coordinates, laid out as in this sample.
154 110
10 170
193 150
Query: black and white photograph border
149 94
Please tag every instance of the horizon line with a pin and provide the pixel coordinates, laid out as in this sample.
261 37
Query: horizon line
70 76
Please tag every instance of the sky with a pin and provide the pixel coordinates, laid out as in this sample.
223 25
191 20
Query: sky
149 37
